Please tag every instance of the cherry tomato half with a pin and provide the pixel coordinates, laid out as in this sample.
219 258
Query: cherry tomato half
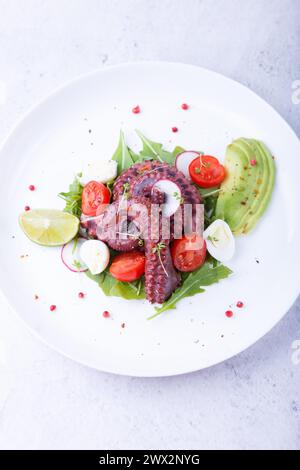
95 197
188 253
207 171
128 266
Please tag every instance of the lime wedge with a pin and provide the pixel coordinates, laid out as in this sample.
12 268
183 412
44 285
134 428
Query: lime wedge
49 227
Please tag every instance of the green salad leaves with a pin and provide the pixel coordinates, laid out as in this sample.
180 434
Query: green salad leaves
126 157
115 288
209 198
192 283
73 198
122 155
154 150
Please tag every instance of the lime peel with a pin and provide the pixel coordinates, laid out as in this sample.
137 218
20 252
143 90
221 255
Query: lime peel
49 227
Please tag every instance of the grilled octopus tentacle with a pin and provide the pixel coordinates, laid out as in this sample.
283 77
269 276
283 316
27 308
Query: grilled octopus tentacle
160 171
159 285
134 172
119 226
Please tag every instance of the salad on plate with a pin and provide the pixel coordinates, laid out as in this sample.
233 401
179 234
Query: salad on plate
157 224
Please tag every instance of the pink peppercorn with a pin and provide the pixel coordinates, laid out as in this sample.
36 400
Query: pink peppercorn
174 129
229 313
185 106
27 208
253 162
31 187
52 308
106 314
240 304
81 295
136 110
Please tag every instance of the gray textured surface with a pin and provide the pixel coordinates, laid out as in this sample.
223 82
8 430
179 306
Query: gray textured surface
47 401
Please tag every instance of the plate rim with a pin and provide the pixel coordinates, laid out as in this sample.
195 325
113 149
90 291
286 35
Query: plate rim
106 69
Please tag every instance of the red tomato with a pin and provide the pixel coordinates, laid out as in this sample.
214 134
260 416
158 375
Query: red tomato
188 253
95 197
207 171
128 266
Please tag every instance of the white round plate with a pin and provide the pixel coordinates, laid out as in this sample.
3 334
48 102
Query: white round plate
81 122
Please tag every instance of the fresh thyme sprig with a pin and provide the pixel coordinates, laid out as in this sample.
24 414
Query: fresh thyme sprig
202 164
126 193
212 239
77 264
179 198
157 249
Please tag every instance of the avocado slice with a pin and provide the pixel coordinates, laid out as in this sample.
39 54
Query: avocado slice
247 188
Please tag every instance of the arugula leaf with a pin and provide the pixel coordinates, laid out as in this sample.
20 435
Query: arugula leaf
209 197
110 185
73 198
192 284
177 150
154 150
136 157
122 155
113 287
126 157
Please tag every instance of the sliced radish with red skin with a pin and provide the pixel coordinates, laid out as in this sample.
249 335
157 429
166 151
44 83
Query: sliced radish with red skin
183 161
71 258
172 196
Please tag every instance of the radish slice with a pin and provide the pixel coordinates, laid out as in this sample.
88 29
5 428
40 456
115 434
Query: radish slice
95 254
183 161
172 196
71 258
